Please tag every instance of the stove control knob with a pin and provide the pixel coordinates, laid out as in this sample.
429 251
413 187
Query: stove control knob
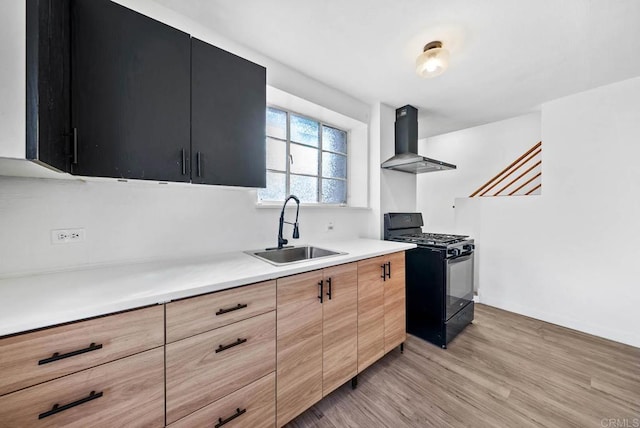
453 252
469 247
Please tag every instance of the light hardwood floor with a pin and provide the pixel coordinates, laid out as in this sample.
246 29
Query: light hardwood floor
504 370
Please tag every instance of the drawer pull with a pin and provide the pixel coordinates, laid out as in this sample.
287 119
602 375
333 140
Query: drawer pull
230 418
57 356
231 345
235 308
58 408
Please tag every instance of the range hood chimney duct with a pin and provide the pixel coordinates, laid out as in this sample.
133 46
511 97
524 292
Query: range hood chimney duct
407 158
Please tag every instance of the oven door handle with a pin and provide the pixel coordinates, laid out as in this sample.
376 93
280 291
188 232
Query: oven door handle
461 258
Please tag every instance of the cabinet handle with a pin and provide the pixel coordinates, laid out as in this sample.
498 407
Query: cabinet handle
198 164
320 284
231 345
74 133
184 162
388 269
235 308
384 272
57 356
329 284
58 408
230 418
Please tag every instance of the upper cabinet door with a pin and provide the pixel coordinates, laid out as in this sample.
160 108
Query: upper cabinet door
130 94
48 66
228 103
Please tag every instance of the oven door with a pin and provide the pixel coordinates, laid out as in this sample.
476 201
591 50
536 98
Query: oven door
459 283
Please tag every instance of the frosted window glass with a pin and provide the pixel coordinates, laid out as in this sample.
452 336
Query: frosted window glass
334 165
304 160
305 188
334 139
304 131
276 154
276 123
334 191
276 186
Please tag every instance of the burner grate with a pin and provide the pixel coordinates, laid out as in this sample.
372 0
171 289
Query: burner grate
432 238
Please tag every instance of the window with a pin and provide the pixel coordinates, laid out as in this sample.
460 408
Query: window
306 158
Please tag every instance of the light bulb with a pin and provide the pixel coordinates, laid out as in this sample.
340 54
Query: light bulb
433 61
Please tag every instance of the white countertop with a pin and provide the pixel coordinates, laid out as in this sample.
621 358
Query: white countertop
43 300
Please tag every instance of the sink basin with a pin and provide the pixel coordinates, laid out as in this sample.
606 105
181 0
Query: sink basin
289 255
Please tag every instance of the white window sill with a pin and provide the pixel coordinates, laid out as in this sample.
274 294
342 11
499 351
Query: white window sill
278 205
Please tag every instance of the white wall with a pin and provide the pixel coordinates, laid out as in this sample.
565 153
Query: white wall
570 255
127 222
140 221
479 153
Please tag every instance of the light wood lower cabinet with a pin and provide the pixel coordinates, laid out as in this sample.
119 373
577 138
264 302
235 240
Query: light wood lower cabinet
299 362
252 406
381 307
125 393
317 336
204 368
228 358
395 323
339 326
195 315
31 358
370 311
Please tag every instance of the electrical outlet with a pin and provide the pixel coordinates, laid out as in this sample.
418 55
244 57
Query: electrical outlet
76 235
329 226
66 236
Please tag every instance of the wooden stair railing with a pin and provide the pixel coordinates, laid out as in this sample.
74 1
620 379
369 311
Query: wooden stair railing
531 155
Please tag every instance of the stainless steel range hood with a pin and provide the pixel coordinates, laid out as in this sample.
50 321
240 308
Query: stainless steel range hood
406 158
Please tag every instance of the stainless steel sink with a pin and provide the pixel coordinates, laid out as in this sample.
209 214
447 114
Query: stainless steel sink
290 255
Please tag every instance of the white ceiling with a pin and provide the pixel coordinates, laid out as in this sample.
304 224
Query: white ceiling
507 56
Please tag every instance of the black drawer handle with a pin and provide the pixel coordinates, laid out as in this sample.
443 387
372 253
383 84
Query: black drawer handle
388 270
235 308
384 272
231 345
320 292
58 408
329 291
57 356
184 161
230 418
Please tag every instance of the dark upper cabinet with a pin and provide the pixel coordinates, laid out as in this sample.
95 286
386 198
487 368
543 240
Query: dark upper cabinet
48 134
130 94
113 93
228 101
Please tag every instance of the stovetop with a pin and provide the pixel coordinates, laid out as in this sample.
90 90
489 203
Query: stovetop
407 227
437 239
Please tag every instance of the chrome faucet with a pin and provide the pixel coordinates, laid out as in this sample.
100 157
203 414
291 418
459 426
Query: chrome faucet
296 232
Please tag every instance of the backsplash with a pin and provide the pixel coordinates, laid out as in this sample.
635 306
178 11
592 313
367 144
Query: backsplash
137 221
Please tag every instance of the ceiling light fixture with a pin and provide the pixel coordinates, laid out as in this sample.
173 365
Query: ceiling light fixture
433 61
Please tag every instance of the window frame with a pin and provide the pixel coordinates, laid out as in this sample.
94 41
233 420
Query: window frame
321 149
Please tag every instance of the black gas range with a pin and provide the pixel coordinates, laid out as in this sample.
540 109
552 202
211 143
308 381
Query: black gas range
439 278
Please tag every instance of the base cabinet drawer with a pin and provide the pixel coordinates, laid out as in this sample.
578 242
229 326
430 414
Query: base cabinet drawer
252 406
31 358
203 313
124 393
206 367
